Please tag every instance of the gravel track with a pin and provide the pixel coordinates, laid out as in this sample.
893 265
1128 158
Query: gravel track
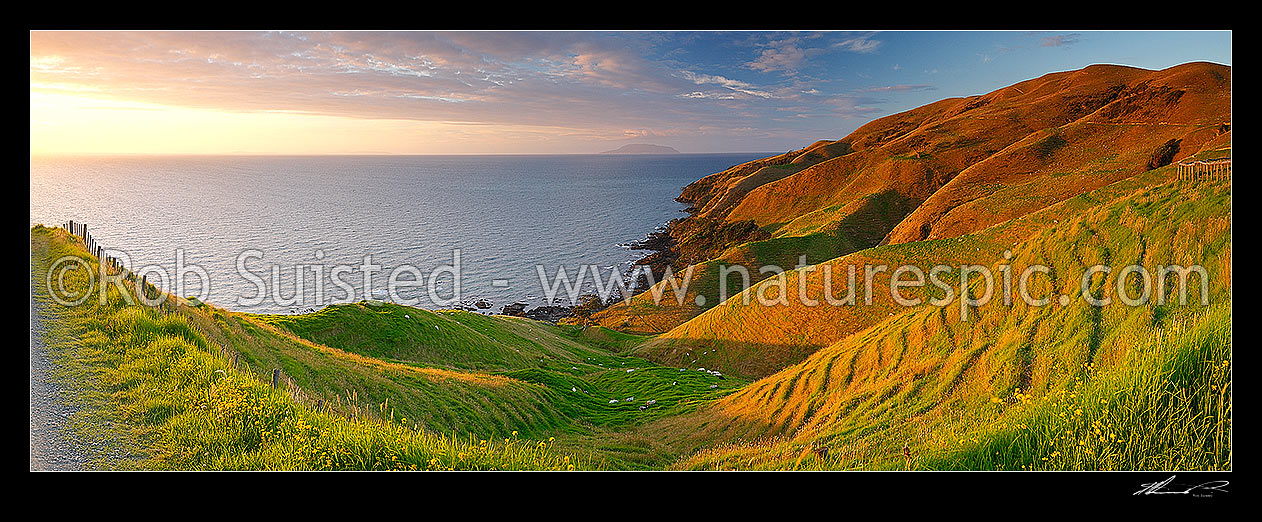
54 445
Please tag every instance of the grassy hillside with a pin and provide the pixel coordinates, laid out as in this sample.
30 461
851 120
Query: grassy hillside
946 169
164 379
569 374
1188 104
454 339
381 365
440 399
1015 385
756 340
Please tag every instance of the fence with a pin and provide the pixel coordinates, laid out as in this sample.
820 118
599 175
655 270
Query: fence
1213 170
112 265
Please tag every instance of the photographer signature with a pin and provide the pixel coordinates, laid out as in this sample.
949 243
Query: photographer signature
1205 489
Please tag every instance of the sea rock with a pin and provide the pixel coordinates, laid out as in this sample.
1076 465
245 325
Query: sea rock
548 313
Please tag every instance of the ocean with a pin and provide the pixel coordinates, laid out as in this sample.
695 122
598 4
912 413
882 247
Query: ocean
251 227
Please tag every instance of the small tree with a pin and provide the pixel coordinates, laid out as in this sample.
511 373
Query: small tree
1164 154
588 305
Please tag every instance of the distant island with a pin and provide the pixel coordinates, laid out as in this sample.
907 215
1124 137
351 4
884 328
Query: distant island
642 148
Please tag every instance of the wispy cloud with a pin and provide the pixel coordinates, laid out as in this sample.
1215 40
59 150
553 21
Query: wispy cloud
859 44
728 83
783 55
791 54
1059 40
899 88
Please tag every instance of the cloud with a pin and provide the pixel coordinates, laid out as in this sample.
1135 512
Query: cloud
699 95
586 84
1059 40
733 85
782 55
860 44
518 78
899 88
851 105
790 54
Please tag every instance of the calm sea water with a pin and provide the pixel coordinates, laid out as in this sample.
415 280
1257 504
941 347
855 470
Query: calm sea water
505 214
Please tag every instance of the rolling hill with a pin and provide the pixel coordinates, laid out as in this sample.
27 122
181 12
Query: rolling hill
939 171
952 390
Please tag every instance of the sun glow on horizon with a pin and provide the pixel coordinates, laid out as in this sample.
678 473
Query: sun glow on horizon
79 123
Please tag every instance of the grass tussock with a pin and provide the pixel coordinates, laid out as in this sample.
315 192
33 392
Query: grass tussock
1167 407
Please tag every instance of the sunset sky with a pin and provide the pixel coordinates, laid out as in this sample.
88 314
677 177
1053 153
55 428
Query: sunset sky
528 92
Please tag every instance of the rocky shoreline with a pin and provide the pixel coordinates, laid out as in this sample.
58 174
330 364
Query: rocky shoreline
663 252
547 313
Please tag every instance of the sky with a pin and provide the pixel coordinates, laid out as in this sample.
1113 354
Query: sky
281 92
